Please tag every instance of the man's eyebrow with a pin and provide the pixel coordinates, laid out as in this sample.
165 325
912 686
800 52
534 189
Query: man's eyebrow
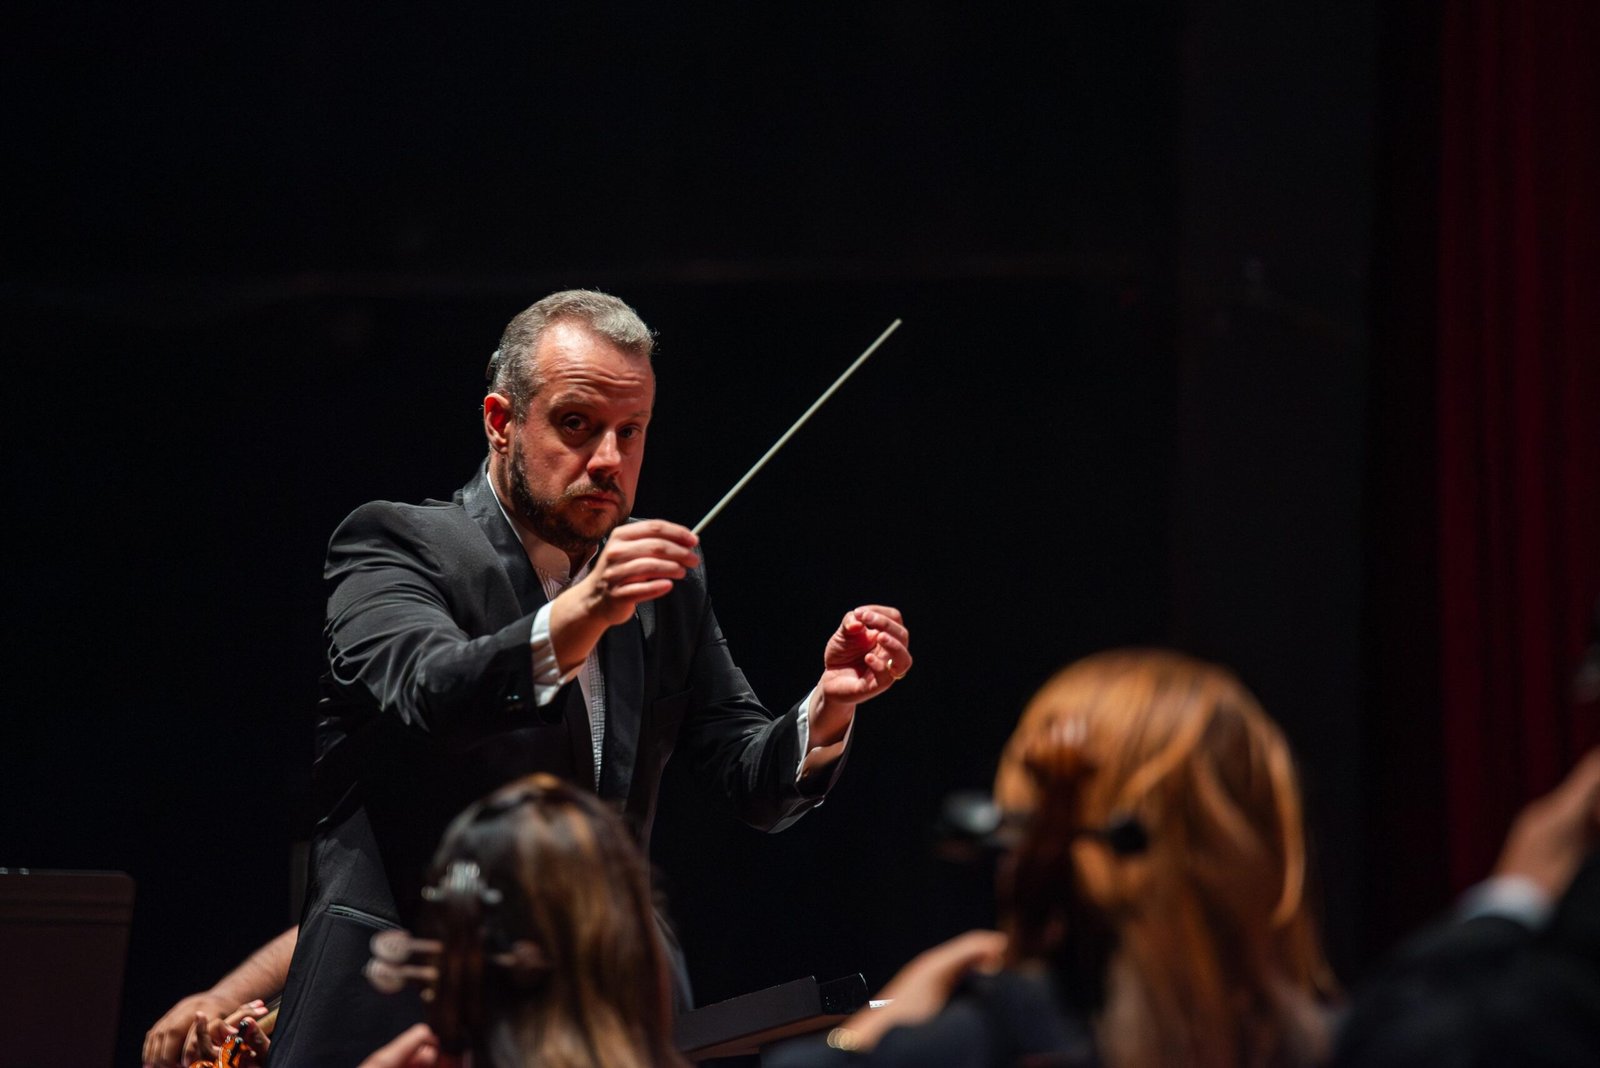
586 400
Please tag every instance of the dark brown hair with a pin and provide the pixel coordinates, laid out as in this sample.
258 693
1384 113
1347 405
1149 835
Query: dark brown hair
567 878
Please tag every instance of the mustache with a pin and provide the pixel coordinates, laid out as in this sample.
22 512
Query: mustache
604 485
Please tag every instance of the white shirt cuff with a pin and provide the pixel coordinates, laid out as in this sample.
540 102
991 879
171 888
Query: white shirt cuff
1514 897
548 678
822 753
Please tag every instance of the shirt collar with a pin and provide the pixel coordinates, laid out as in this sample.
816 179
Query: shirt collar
547 560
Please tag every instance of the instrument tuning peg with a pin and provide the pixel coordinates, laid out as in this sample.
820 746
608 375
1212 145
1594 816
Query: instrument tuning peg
393 947
461 880
384 977
1126 835
524 960
389 978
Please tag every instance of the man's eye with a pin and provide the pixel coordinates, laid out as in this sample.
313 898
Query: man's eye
629 432
573 423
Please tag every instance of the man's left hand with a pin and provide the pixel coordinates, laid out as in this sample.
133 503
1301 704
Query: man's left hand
866 655
869 653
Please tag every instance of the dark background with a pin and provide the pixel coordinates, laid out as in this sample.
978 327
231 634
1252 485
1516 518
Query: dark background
1159 269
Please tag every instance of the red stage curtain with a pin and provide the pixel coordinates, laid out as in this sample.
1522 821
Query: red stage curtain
1519 404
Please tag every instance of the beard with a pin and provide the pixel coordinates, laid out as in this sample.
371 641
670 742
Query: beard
551 518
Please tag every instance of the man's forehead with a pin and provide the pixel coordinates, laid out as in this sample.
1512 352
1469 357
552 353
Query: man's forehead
578 366
595 379
637 406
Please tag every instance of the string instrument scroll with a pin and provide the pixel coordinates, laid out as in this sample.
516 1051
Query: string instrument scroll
449 970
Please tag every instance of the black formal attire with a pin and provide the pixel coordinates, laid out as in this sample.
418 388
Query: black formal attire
992 1021
428 704
1489 990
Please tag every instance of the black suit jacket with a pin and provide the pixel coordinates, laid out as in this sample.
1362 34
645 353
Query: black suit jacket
1487 991
428 704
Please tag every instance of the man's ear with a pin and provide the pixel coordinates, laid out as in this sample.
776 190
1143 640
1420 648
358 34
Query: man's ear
497 422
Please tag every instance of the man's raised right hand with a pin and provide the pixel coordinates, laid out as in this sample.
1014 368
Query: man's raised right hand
640 562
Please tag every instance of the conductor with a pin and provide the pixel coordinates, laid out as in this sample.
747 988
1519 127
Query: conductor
528 624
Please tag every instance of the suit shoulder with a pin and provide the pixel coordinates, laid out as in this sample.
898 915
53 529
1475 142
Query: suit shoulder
397 516
389 530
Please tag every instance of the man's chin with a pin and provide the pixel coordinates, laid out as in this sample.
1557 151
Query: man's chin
586 527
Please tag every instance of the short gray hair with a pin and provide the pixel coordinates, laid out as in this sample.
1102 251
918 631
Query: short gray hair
512 369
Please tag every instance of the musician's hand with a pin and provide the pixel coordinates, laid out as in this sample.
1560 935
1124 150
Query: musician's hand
1553 833
250 1010
923 986
165 1041
416 1047
206 1038
869 653
201 1045
255 1041
640 562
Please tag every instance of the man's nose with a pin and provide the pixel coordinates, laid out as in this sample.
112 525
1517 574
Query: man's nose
607 454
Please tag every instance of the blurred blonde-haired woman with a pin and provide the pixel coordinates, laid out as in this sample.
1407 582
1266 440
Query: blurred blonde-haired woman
1154 898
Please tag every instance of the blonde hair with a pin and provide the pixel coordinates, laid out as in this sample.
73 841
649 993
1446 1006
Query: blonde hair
1211 955
570 881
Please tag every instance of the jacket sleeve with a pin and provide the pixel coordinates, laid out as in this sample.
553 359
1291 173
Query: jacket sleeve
396 636
746 754
1487 991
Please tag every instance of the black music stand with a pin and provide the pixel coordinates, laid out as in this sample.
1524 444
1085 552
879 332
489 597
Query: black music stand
749 1023
63 944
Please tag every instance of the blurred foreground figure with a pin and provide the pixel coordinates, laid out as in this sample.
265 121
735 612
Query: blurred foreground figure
179 1038
1154 897
538 943
542 940
1514 977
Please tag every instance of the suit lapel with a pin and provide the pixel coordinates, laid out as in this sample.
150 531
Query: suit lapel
622 664
479 501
